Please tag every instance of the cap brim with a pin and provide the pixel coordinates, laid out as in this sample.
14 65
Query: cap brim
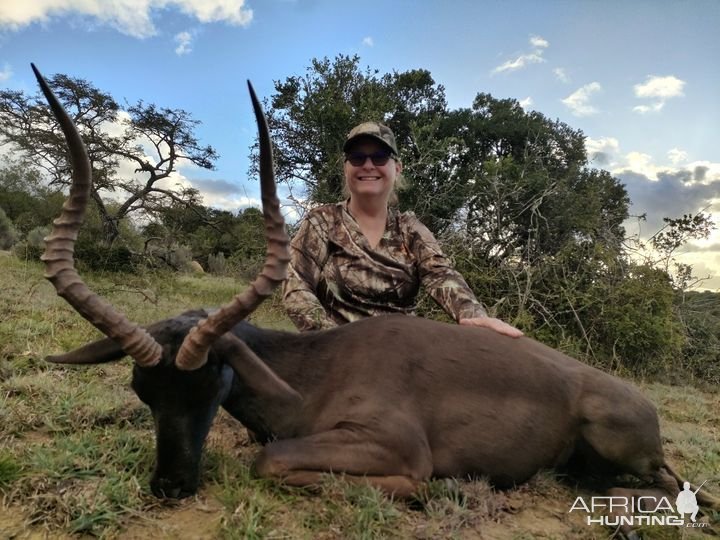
356 138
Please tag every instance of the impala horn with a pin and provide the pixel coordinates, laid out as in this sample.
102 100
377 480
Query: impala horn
194 350
60 248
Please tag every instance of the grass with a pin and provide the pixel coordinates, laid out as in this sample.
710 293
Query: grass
77 446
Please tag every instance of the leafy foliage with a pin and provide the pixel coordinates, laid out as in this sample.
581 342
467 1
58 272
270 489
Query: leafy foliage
27 201
8 235
699 315
153 140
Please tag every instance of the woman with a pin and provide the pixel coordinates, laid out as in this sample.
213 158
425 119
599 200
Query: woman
361 257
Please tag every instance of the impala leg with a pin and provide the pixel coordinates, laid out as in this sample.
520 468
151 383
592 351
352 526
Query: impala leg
396 465
400 487
661 483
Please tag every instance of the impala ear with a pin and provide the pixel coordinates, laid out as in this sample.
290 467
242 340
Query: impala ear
98 352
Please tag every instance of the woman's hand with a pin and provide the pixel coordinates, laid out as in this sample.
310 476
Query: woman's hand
497 325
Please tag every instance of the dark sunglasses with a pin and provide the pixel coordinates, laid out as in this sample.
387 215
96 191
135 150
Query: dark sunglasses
379 158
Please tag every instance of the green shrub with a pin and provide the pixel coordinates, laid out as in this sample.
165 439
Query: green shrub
636 324
100 257
217 264
244 267
10 469
8 234
699 313
33 246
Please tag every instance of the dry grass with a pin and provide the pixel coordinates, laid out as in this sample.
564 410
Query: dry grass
76 445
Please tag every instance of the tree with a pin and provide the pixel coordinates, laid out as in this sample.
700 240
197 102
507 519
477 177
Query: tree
671 237
27 201
699 313
528 188
154 140
8 234
309 117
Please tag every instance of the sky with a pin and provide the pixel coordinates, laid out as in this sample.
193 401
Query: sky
640 78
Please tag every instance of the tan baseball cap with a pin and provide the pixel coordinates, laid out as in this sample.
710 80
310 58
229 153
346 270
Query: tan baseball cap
373 130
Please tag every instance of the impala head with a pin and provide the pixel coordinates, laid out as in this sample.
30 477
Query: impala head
183 402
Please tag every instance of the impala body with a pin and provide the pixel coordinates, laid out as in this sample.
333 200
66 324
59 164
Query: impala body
396 399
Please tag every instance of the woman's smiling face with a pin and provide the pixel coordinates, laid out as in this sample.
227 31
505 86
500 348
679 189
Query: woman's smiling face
368 179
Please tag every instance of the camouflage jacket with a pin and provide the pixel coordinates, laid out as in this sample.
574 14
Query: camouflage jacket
335 276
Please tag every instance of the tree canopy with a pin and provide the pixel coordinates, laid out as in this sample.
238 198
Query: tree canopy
154 140
516 182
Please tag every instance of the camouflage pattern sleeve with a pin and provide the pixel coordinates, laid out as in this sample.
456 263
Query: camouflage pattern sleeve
437 275
308 251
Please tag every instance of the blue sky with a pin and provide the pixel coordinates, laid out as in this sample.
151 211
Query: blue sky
640 78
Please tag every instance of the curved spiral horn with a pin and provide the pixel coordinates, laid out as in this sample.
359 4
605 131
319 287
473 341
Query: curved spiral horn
194 350
60 249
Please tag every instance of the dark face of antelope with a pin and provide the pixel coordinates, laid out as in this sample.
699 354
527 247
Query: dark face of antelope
176 371
183 405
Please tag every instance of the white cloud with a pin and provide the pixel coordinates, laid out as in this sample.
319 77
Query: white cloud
602 151
6 73
676 156
534 57
368 41
644 109
659 89
184 43
527 102
223 194
659 191
520 62
116 128
230 203
561 75
603 144
578 101
538 42
131 17
174 181
641 163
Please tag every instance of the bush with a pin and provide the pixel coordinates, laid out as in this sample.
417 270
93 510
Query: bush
699 313
100 257
33 246
587 301
217 264
636 324
244 267
180 258
8 234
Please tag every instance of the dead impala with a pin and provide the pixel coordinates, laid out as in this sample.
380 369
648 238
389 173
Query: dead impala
390 401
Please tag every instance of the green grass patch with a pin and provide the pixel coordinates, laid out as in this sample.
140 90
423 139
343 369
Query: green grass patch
87 481
10 469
